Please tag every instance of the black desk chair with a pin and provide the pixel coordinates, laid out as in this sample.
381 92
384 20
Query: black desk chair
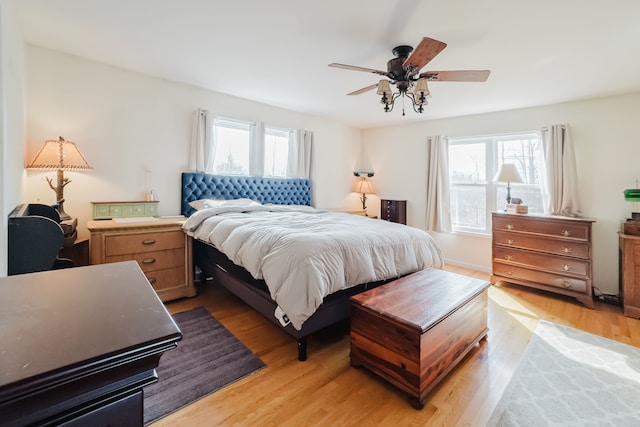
35 239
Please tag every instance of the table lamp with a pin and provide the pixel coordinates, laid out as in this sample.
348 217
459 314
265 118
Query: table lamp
508 173
364 187
59 155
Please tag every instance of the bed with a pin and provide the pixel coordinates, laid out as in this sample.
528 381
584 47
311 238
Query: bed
281 205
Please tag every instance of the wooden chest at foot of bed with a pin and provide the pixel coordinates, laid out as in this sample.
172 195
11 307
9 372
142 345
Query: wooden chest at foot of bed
416 329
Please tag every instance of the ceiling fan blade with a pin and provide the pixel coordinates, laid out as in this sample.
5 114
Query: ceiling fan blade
354 68
457 75
363 90
426 50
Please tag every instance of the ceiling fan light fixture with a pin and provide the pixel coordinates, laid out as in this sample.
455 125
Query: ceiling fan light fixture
402 71
384 88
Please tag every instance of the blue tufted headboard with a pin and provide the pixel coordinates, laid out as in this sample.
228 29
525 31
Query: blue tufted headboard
281 191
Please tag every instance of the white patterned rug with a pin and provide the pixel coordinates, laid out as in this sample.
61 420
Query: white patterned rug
572 378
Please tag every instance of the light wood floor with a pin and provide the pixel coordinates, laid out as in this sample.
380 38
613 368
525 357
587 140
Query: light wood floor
326 391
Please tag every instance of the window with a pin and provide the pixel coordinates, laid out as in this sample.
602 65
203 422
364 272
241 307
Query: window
473 162
276 152
234 149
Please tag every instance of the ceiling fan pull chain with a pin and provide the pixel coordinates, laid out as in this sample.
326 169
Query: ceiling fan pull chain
403 104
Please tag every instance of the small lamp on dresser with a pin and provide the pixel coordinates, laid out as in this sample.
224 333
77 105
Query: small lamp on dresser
508 173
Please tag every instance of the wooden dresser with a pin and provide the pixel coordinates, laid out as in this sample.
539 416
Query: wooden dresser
160 247
79 345
394 210
630 274
551 253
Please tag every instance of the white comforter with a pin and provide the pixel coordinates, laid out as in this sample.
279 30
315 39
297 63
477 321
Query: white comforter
304 254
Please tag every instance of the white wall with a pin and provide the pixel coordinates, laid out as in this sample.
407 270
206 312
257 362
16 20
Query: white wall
605 133
11 120
124 122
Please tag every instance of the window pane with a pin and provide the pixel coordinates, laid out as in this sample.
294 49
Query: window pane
467 163
468 207
473 162
276 153
525 153
232 150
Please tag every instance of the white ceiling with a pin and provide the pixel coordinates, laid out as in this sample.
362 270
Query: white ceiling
277 51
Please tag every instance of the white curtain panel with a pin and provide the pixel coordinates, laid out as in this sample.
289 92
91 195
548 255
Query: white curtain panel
560 183
300 147
256 149
203 142
438 201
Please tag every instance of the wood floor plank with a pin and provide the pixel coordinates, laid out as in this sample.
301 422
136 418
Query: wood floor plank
325 390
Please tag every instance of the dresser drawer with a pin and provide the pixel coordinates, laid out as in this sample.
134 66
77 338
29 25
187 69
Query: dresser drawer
554 246
562 265
549 279
166 278
143 242
151 261
561 228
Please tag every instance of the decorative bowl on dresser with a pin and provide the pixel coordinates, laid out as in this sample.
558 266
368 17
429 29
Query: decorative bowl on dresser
551 253
159 245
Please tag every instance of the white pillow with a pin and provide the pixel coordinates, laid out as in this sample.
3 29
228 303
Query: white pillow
240 202
206 203
215 203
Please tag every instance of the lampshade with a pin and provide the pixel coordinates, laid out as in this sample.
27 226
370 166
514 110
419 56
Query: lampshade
421 86
59 155
363 186
383 87
507 173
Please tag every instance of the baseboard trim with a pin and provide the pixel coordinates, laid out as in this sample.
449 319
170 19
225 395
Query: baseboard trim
458 263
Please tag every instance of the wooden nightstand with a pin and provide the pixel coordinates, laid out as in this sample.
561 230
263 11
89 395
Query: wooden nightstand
161 248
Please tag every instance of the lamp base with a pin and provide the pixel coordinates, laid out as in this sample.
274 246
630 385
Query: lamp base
60 209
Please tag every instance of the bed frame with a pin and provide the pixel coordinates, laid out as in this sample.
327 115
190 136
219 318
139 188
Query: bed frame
237 280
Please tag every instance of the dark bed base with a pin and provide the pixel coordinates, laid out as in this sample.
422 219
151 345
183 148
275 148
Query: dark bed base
335 308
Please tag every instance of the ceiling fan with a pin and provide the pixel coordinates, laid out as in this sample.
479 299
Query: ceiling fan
402 71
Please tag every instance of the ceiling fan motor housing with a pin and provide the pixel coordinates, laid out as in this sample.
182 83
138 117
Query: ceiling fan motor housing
394 66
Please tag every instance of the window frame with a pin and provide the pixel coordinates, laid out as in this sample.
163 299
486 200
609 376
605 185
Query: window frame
492 164
242 125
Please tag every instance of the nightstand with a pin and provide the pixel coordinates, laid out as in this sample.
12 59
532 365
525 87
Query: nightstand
159 246
394 210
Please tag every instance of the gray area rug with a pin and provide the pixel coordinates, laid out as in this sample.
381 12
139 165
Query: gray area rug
572 378
207 358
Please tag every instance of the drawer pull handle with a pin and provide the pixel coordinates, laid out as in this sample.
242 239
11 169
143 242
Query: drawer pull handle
508 257
148 260
509 226
149 242
509 242
566 284
509 273
566 250
566 233
566 267
152 280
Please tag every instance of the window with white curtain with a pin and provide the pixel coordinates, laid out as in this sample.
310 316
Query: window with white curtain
474 161
276 152
233 149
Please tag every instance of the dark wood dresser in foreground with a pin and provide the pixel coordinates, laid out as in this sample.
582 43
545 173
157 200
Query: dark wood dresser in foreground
545 252
78 345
